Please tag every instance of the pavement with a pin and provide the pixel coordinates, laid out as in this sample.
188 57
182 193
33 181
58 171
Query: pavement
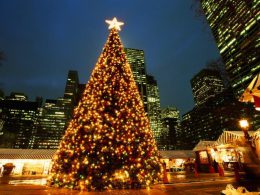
204 184
191 178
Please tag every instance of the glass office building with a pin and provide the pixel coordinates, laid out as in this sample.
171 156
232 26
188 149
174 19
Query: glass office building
235 26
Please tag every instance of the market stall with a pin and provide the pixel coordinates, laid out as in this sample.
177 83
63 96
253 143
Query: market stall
228 156
256 142
25 161
178 160
203 158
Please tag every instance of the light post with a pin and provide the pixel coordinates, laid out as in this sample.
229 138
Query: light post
245 126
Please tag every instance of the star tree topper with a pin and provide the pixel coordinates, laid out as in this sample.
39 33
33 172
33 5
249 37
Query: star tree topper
114 24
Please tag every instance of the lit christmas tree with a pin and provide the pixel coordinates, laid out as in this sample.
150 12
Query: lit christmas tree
108 143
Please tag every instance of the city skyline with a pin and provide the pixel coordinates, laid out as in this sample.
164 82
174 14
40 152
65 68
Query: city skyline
44 41
161 99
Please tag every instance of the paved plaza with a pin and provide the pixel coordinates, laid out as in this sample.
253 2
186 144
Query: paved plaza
204 184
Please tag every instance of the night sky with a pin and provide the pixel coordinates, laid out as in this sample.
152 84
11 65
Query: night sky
44 39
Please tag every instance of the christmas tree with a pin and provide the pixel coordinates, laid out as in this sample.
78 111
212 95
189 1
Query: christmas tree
108 143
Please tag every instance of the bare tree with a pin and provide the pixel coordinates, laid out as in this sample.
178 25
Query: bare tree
219 66
2 57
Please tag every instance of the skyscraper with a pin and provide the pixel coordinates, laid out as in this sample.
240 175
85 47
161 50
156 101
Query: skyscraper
51 124
208 120
206 84
18 117
135 58
235 26
154 109
55 115
148 89
71 92
171 124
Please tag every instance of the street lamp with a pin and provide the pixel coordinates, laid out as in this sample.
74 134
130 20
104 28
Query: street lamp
245 126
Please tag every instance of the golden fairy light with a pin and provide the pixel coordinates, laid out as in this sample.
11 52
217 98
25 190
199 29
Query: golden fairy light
108 143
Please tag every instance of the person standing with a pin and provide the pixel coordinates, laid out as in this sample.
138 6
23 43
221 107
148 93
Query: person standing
170 165
165 178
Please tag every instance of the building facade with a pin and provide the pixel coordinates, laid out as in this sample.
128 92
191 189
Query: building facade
18 121
135 58
209 120
51 124
235 26
170 117
55 115
154 109
71 92
148 89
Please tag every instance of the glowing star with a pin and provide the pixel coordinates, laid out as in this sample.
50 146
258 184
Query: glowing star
114 24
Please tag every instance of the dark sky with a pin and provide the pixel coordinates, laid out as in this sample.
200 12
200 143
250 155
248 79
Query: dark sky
43 39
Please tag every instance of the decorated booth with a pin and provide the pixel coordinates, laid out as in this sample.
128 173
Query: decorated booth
178 160
25 161
224 153
203 158
256 142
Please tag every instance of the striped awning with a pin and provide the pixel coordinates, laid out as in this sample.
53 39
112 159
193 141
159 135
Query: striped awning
7 153
48 154
229 137
175 154
203 145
